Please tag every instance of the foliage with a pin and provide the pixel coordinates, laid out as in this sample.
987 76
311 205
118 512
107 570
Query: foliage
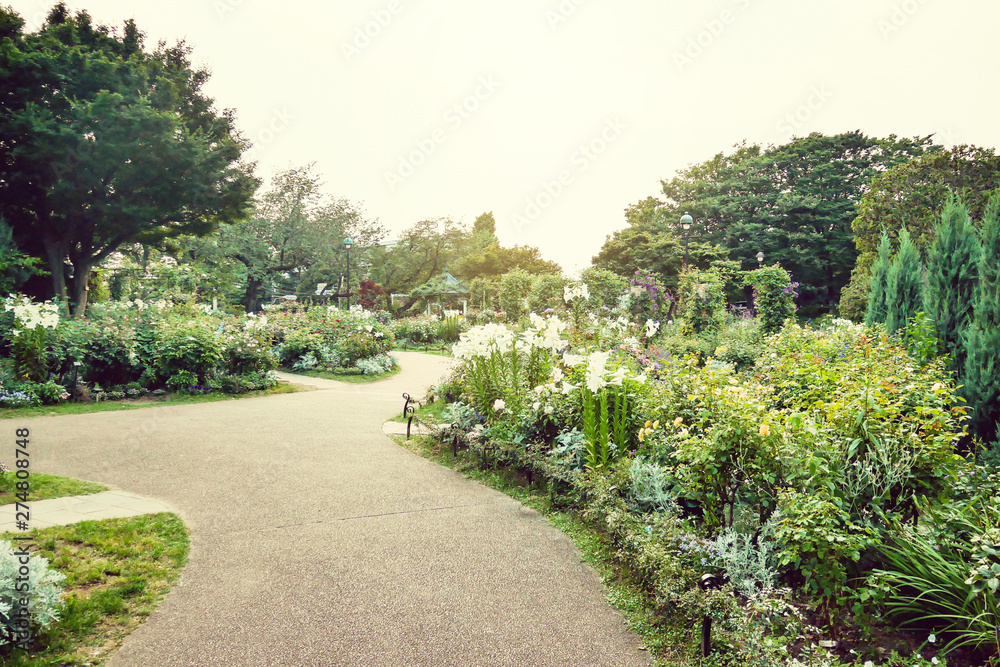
649 488
98 120
546 292
515 285
702 300
334 338
376 365
952 273
913 194
750 561
649 299
876 311
604 287
794 202
42 589
981 339
904 283
28 336
774 294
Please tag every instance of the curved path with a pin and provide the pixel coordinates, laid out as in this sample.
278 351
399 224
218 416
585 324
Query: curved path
316 540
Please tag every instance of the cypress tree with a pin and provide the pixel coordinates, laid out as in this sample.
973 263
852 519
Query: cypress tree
876 311
982 338
904 293
952 271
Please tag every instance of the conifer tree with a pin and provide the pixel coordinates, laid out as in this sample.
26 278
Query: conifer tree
904 293
982 338
876 311
952 272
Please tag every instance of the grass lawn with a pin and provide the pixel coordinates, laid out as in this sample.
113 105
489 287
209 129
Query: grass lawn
621 595
117 571
352 375
50 486
144 402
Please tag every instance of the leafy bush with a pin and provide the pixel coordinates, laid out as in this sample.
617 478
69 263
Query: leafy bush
188 347
774 294
44 593
750 563
376 365
702 300
649 489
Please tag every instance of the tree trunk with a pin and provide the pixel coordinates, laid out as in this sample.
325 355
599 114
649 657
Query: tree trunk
253 285
81 288
54 253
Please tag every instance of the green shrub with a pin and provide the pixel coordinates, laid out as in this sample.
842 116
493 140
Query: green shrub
774 296
188 347
44 592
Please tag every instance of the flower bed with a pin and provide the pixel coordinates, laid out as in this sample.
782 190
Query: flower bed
803 480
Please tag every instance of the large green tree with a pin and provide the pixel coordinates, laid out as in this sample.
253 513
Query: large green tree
876 311
914 194
294 237
903 285
103 143
982 339
794 202
952 276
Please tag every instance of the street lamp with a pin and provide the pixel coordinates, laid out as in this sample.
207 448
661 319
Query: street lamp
686 221
347 245
760 259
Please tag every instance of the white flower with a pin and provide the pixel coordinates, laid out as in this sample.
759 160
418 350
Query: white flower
652 326
567 388
641 379
557 374
536 405
934 660
869 663
548 410
573 359
932 638
571 292
499 404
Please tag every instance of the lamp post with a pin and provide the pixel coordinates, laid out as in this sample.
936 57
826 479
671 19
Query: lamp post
686 221
760 259
347 245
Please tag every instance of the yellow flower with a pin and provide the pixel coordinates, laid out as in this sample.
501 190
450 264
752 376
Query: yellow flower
678 422
646 424
765 430
642 435
656 424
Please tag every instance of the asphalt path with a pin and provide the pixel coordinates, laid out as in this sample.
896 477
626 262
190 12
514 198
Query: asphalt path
316 540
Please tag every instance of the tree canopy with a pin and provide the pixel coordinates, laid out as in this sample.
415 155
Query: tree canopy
794 202
103 143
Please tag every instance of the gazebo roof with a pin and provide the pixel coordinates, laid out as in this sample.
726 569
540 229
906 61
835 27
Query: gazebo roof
441 285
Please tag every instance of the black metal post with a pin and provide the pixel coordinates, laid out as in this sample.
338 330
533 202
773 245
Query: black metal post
408 410
707 582
348 277
687 233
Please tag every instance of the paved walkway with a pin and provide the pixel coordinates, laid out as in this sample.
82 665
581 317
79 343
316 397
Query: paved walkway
315 540
61 511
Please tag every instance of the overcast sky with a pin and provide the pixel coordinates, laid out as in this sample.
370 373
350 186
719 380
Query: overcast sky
556 115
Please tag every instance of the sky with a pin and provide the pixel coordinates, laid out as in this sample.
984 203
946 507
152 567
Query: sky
556 115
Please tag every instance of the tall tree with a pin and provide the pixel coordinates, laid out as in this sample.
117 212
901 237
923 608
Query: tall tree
793 202
104 144
876 311
904 285
295 227
981 375
914 194
952 273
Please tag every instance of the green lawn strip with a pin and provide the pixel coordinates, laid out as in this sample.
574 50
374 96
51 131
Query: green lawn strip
439 349
144 402
45 486
431 412
621 594
352 375
117 572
